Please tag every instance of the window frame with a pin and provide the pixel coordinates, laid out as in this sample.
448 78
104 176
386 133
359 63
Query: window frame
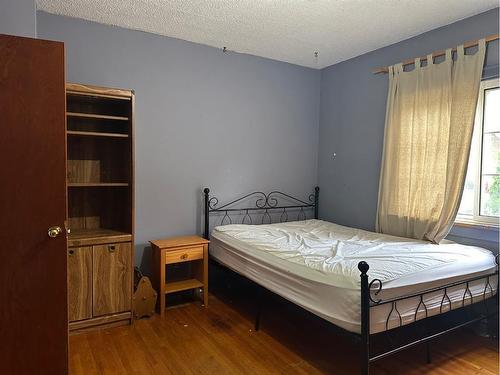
476 219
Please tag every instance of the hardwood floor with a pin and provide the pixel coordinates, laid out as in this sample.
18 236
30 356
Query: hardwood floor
220 340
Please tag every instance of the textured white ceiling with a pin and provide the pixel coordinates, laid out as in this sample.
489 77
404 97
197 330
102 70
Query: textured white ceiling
285 30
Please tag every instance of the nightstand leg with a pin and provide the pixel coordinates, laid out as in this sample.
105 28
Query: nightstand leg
162 283
162 305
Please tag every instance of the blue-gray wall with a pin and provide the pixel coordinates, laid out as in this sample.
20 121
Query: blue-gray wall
18 17
237 122
352 114
228 121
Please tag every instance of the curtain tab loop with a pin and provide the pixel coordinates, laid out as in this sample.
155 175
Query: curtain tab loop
417 63
460 50
448 54
481 44
398 68
430 59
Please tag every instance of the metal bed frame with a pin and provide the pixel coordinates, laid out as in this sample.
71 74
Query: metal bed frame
270 203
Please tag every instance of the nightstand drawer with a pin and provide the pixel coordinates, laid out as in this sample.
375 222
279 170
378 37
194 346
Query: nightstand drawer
184 255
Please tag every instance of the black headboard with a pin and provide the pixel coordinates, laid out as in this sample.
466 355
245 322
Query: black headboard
261 202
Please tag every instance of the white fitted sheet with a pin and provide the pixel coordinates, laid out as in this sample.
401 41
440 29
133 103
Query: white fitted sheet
313 264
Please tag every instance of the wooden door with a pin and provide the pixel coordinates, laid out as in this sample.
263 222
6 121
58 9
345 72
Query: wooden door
80 283
33 292
112 281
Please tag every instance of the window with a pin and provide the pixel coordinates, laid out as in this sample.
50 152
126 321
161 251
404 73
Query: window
481 197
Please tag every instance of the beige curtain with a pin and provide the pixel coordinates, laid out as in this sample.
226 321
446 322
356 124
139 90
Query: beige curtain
428 131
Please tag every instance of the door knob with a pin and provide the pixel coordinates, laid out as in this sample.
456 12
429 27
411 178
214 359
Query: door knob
54 231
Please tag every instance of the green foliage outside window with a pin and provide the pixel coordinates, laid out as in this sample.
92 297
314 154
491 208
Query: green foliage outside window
493 203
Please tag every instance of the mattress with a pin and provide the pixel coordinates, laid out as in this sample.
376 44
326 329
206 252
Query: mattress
313 264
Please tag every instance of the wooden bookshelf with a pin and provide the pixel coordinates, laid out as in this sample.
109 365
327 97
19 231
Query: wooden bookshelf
100 206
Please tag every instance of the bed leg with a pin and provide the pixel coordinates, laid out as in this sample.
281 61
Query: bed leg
365 366
259 310
365 319
493 320
257 319
428 352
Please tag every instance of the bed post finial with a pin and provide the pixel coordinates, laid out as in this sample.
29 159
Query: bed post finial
206 193
316 201
365 318
363 267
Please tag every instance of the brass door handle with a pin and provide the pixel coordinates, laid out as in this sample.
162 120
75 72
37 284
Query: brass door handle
53 232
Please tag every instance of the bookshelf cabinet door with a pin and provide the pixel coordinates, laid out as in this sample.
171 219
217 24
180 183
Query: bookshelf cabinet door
112 278
80 283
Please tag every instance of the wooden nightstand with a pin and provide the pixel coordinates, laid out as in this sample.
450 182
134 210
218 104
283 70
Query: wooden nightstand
176 250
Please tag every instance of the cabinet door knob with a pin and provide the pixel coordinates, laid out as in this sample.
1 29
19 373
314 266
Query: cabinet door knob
184 256
111 248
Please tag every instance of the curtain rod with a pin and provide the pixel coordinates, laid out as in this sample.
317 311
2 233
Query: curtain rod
442 52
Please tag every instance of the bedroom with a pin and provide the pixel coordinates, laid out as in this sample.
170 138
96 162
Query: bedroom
237 97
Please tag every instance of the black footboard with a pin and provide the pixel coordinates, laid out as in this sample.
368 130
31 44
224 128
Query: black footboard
370 290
